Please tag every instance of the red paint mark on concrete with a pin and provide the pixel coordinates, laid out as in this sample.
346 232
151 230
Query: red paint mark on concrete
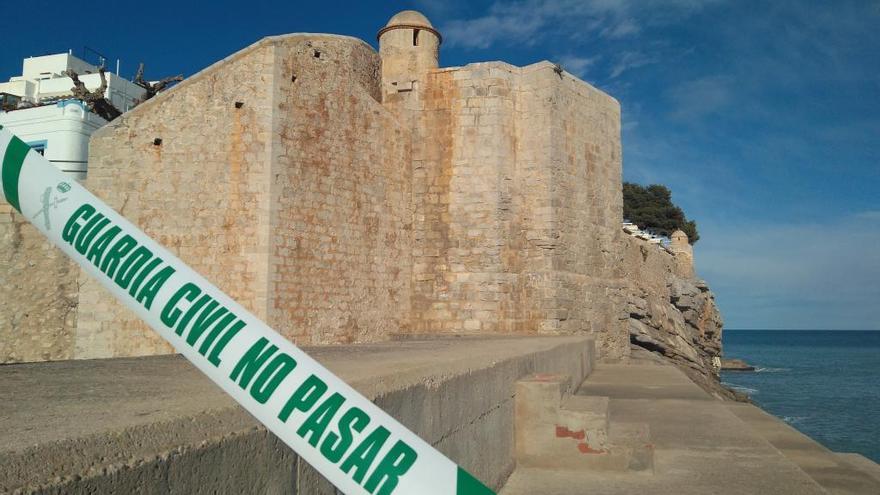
586 449
564 432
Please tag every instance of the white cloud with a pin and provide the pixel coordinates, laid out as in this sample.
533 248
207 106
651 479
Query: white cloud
624 28
527 21
630 60
485 31
436 7
811 276
577 65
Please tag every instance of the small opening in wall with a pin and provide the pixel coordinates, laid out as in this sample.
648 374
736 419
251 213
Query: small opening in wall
239 104
157 142
415 37
293 78
317 54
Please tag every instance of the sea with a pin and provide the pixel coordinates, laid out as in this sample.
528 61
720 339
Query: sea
825 383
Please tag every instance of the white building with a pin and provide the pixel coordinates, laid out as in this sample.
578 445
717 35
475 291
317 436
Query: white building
54 123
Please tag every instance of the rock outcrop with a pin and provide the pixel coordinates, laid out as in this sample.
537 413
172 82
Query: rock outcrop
736 365
673 315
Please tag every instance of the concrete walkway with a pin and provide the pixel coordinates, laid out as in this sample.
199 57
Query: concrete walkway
837 473
156 425
702 445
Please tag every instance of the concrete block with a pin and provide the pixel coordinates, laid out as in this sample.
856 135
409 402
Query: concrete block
557 431
587 414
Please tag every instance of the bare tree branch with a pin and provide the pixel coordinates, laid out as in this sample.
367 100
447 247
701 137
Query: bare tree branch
139 76
96 100
153 89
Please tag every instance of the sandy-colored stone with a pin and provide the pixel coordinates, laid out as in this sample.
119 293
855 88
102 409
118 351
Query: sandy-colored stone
517 204
670 312
346 195
38 294
297 204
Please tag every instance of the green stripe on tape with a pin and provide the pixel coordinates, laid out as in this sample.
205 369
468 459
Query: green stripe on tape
12 161
468 485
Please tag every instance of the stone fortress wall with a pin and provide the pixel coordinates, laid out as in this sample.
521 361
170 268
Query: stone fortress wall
346 195
38 294
515 186
284 182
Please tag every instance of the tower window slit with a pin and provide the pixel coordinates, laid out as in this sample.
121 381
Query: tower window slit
415 37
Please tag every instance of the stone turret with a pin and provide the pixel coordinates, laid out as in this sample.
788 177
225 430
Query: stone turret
680 239
684 253
409 46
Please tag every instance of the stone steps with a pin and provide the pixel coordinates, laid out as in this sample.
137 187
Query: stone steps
698 445
557 430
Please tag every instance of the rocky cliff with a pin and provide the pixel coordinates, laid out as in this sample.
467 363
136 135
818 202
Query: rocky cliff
671 315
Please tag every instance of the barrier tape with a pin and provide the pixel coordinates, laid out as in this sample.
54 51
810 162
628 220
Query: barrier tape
347 438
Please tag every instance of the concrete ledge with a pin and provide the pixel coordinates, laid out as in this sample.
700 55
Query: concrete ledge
837 474
861 463
155 425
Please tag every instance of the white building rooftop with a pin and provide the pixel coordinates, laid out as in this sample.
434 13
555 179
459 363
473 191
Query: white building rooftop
39 108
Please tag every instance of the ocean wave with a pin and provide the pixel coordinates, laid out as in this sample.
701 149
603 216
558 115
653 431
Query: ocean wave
740 388
759 369
793 420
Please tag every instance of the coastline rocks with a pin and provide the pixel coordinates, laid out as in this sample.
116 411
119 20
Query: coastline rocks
736 365
671 315
681 324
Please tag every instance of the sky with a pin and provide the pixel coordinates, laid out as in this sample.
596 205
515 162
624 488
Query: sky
762 117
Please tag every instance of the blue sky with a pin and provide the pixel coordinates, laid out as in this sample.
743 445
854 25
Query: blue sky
762 117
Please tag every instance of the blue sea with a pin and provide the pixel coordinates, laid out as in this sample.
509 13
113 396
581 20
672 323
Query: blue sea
824 383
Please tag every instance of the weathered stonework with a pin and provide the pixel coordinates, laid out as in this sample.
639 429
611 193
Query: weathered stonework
345 195
341 207
290 191
516 180
38 294
684 253
671 313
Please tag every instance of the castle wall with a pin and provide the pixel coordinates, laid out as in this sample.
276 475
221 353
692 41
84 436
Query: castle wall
280 178
587 207
38 294
463 145
516 186
340 269
203 192
484 198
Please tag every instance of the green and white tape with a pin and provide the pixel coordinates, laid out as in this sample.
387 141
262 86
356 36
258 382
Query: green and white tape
347 438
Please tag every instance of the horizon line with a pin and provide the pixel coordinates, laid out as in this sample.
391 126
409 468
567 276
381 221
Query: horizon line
801 330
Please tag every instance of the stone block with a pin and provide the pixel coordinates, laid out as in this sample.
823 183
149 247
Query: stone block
558 431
